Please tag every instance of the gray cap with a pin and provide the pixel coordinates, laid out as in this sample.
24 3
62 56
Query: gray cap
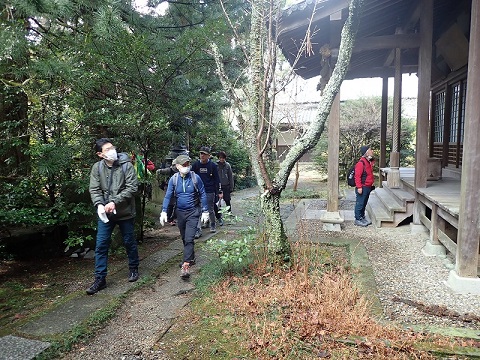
181 159
205 150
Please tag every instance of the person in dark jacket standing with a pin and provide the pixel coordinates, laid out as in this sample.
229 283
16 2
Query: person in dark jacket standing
363 184
113 185
208 172
191 206
226 178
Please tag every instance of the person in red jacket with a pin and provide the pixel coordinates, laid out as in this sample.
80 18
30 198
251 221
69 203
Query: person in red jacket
363 184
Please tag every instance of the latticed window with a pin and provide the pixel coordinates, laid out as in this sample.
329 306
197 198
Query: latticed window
462 113
455 112
439 116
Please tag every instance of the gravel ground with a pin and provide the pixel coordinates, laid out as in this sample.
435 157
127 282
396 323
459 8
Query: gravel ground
411 286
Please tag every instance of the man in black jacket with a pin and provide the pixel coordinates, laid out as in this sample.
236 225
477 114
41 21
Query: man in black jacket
208 172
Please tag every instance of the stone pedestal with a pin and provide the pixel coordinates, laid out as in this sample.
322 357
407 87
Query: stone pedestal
433 249
463 285
332 220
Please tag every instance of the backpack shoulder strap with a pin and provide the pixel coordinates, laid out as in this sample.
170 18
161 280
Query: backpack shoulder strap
194 180
174 182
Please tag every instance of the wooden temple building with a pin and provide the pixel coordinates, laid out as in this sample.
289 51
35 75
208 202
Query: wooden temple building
439 41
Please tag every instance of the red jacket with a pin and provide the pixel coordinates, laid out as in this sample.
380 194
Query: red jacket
364 164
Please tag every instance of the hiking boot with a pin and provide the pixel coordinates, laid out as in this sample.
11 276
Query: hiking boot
365 220
220 221
360 223
185 271
133 275
213 229
99 284
198 233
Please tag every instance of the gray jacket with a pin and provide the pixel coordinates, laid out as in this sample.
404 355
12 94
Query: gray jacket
226 174
123 186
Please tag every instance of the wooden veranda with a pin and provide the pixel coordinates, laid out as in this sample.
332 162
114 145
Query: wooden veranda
439 40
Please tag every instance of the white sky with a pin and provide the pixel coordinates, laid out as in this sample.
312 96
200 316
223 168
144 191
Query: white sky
141 6
351 89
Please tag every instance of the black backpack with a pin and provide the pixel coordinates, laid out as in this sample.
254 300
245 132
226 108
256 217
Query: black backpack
351 175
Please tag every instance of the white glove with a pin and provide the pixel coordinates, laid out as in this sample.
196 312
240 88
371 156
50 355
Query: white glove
102 214
163 218
205 217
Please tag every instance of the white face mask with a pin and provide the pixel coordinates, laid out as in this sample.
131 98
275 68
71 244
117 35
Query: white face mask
184 170
111 155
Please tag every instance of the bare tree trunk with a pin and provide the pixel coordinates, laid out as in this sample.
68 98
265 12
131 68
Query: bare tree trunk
297 176
256 126
277 243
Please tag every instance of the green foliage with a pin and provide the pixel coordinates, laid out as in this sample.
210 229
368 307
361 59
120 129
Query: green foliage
75 239
303 194
79 70
360 125
234 252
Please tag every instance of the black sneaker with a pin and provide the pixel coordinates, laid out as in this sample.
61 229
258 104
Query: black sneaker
220 222
98 284
133 275
198 233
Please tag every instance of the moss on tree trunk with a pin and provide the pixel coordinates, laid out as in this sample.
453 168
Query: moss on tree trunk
277 244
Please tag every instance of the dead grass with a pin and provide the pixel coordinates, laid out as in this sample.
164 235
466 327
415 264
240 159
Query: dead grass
309 311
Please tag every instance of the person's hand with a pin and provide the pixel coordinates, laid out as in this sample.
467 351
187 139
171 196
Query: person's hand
205 217
163 218
220 195
359 190
101 213
110 208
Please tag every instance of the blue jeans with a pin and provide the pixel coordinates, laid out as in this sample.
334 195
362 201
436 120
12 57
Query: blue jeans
104 238
361 202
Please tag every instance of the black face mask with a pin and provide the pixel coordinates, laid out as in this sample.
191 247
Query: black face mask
370 158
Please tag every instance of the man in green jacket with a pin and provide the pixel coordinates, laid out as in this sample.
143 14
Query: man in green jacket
113 184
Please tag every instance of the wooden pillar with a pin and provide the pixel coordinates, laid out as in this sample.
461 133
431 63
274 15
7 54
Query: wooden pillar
331 218
333 142
469 216
434 247
383 124
423 104
423 100
394 174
